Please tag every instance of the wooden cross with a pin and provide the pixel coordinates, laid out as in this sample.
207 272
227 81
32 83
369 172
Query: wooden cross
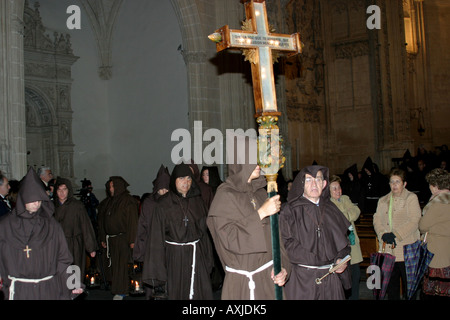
27 250
259 44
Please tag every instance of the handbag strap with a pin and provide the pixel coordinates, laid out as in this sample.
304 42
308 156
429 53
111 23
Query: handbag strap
390 212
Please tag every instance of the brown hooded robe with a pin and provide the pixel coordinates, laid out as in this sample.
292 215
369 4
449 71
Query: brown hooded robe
148 205
181 220
118 218
299 220
77 226
241 238
49 255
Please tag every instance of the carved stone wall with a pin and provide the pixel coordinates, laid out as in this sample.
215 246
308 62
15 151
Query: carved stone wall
347 93
304 74
48 63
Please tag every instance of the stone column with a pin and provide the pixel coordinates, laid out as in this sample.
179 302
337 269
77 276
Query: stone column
394 133
12 93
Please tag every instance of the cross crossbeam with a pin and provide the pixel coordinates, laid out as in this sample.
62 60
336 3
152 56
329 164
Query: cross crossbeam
261 44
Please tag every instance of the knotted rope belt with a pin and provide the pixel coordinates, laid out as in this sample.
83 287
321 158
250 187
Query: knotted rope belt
249 275
14 279
107 245
194 244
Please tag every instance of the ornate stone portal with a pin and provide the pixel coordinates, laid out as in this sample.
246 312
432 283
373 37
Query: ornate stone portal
48 82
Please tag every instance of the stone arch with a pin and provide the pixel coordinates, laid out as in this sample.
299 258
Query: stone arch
187 12
41 129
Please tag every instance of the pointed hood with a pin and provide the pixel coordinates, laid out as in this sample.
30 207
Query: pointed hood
407 155
195 170
31 189
353 169
298 186
162 180
242 164
368 164
239 175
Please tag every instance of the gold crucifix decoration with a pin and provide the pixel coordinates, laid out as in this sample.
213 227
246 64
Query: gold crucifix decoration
27 250
259 45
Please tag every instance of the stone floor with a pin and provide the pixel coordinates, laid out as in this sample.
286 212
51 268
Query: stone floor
101 294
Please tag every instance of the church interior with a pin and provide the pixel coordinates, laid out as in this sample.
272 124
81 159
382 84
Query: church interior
103 98
97 88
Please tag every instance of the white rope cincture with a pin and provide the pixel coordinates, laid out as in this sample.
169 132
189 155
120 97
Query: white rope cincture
249 275
194 244
107 246
14 279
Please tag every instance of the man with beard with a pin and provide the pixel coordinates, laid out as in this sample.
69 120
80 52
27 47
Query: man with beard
314 232
34 257
117 223
181 252
72 216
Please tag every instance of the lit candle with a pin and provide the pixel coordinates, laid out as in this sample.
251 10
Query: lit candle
92 280
137 285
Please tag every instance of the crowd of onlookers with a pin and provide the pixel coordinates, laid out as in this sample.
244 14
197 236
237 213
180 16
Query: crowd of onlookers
405 204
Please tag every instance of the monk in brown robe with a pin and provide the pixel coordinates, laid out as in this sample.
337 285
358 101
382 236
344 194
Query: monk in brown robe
34 257
240 226
314 232
180 251
77 226
117 232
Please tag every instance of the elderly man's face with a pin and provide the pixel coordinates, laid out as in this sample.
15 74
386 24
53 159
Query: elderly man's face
314 186
47 175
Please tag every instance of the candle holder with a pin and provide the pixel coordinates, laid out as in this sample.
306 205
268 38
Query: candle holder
136 288
136 284
92 280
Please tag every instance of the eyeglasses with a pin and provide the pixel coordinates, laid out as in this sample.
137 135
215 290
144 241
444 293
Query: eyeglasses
317 180
395 182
